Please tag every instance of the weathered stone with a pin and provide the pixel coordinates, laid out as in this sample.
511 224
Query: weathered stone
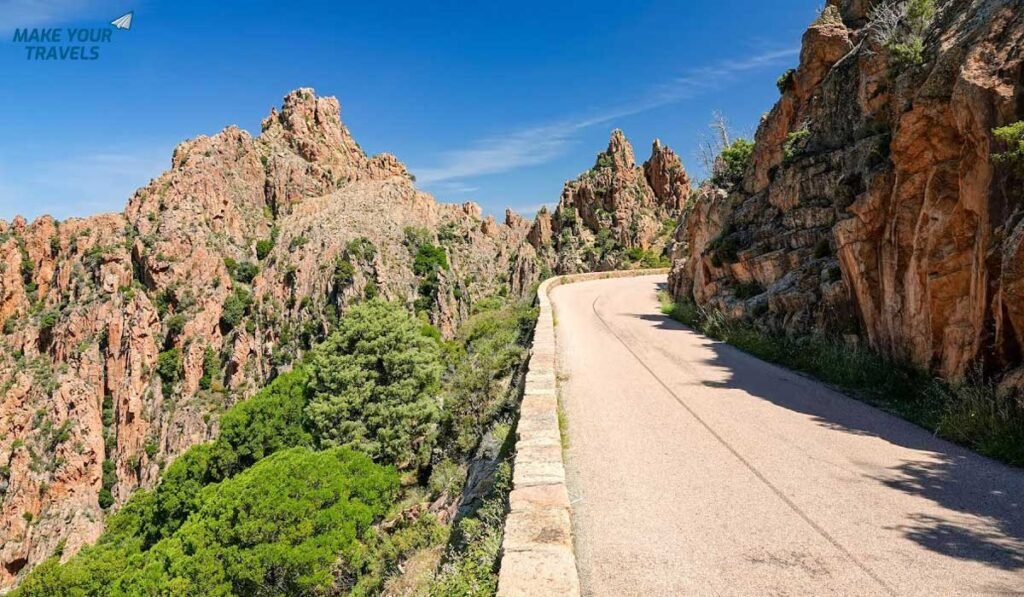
890 215
532 573
614 204
537 529
539 497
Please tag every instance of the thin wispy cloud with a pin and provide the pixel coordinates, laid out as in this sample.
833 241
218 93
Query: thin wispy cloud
79 183
539 144
456 187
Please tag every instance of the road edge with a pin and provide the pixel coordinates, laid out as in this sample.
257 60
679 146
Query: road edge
538 557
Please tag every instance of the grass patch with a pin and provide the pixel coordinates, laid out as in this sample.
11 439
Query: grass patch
970 413
563 417
471 560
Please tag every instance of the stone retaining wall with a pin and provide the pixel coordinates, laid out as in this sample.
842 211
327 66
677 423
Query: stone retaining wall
538 558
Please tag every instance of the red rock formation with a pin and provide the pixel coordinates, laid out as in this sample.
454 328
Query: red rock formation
613 207
888 216
88 306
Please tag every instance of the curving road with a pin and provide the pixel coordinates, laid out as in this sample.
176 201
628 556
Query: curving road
695 469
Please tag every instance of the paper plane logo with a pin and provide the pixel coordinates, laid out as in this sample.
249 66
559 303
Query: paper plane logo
123 22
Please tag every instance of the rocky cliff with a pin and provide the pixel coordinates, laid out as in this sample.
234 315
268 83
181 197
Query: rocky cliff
614 215
125 335
872 205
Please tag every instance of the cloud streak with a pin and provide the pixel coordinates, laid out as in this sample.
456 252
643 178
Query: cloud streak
536 145
79 183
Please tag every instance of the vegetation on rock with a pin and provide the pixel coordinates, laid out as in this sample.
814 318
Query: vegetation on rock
276 528
1011 137
261 511
734 160
374 383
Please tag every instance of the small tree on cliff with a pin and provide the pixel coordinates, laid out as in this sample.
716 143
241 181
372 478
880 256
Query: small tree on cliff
1012 137
374 383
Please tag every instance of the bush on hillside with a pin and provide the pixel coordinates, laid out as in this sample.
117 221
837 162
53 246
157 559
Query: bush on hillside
490 346
235 307
374 383
277 528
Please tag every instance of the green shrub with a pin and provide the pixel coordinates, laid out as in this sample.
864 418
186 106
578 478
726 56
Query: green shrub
168 367
344 273
108 410
979 416
415 237
785 80
263 248
470 565
796 142
361 249
734 162
668 227
279 526
175 325
429 259
246 272
901 28
48 319
490 346
920 14
646 258
1012 137
211 368
449 233
235 307
447 478
907 54
374 383
568 217
428 262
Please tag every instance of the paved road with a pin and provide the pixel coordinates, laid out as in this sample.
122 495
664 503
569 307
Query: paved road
696 469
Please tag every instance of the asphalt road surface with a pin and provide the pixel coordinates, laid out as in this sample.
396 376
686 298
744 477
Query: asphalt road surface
696 469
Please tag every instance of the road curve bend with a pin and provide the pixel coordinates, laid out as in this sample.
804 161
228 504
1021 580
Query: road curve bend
696 469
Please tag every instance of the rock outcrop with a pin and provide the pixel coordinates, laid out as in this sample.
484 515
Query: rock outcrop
871 204
614 214
124 335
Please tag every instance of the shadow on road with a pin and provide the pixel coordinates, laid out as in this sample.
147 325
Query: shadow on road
969 485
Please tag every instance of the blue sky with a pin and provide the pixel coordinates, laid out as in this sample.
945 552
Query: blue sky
495 102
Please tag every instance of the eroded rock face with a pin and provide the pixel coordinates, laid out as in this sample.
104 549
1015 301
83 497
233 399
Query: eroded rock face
888 216
88 306
612 208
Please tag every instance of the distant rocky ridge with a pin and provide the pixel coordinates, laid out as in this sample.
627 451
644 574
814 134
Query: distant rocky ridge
872 206
124 335
616 214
